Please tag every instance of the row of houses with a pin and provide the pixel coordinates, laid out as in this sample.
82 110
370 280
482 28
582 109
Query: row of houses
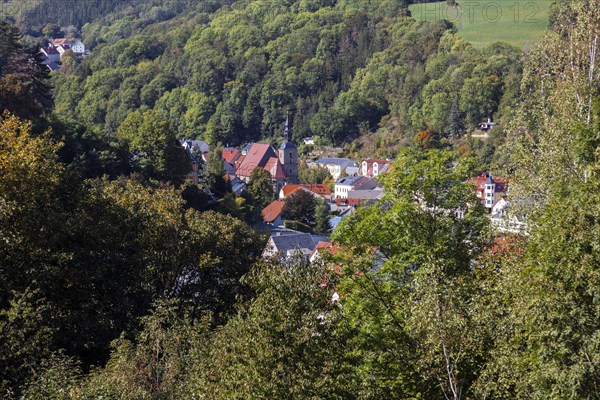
355 186
342 167
355 191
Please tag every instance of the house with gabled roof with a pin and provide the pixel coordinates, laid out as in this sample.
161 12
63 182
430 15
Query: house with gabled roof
231 154
78 47
281 164
373 168
316 189
289 244
273 213
345 185
50 54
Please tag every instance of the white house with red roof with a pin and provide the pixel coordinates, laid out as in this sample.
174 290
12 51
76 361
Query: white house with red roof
373 168
63 44
490 189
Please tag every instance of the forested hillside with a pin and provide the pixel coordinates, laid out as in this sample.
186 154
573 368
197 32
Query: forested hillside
34 15
339 69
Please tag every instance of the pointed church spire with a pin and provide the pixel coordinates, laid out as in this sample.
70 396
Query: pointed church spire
286 132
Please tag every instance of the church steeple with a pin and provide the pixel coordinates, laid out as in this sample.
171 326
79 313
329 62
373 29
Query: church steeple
286 131
288 154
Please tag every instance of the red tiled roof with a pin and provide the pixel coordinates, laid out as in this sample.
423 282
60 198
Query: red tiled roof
479 182
59 42
272 211
290 189
257 156
318 188
350 202
384 166
231 155
238 162
333 248
274 167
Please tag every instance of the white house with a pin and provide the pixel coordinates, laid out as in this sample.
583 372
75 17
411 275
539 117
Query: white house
500 205
288 244
373 168
490 189
344 186
78 47
336 166
62 48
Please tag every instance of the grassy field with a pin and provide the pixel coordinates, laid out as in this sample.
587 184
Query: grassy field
482 22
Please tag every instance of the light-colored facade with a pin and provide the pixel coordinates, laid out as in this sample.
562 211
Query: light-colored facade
337 166
78 47
373 168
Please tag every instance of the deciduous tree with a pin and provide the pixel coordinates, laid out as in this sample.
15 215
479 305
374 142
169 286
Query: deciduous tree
260 187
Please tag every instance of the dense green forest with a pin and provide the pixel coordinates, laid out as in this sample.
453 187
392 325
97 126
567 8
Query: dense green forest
339 68
120 281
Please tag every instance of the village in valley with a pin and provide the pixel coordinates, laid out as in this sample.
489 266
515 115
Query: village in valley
300 199
351 184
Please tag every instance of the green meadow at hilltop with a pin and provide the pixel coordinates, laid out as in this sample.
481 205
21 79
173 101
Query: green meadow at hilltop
483 22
